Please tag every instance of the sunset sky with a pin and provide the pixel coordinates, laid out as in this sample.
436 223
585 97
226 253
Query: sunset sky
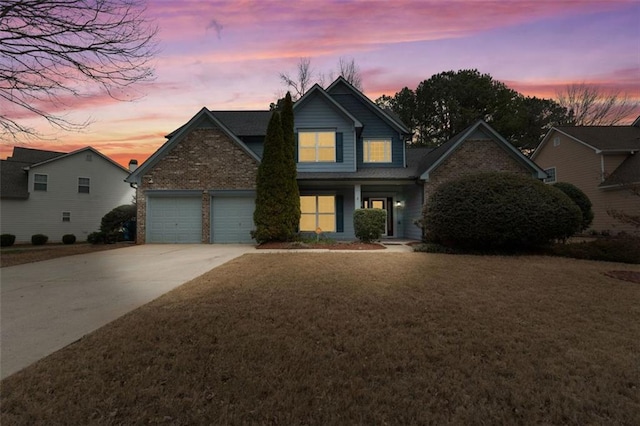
228 55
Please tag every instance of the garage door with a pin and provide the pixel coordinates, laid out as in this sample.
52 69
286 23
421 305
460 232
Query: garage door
232 219
174 220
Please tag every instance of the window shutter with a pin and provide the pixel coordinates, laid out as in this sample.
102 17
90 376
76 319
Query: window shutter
339 213
295 137
339 147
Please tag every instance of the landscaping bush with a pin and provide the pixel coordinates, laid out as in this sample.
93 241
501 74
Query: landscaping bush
7 240
97 237
499 211
581 200
113 222
368 224
625 249
39 239
68 239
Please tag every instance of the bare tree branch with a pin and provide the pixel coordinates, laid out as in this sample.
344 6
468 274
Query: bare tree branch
592 106
350 71
51 50
301 83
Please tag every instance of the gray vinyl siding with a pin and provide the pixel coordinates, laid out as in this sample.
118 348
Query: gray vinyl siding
412 210
374 128
318 114
254 143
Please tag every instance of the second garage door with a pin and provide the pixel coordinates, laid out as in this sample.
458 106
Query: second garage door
232 219
174 220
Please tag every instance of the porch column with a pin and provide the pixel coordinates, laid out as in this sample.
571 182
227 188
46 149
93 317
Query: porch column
358 199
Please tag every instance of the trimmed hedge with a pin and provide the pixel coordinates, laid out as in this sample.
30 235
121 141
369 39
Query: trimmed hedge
68 239
7 240
39 239
620 249
368 224
581 200
97 237
499 211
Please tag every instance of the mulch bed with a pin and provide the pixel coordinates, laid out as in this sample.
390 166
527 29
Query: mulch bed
334 246
630 276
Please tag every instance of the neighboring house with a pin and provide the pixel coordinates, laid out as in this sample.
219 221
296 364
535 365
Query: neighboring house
200 185
603 161
57 193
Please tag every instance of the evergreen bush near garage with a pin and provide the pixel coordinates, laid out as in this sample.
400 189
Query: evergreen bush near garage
68 238
97 237
39 239
7 240
116 218
368 224
499 210
581 200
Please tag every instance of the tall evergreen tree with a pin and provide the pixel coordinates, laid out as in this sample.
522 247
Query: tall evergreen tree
292 196
272 188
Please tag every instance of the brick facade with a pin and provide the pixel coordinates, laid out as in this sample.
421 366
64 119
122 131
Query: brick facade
473 156
205 159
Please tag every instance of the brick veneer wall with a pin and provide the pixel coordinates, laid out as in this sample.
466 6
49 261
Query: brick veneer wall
473 156
205 159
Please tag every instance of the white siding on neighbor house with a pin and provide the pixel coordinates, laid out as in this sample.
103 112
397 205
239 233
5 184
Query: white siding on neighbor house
42 212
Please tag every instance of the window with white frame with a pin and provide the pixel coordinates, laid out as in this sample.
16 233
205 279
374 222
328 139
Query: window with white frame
318 211
317 146
84 185
40 182
376 151
551 175
66 216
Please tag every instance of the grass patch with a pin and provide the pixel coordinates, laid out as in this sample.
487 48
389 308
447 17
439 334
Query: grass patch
334 338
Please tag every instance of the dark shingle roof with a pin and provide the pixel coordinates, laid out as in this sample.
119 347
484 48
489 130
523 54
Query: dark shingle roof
606 138
33 156
627 173
13 178
245 123
411 172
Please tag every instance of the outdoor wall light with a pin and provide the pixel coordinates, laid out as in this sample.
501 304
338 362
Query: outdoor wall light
399 203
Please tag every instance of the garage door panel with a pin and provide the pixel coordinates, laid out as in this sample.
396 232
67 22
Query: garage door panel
232 219
174 220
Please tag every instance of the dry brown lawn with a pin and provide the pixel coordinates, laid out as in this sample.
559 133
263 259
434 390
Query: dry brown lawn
360 338
26 253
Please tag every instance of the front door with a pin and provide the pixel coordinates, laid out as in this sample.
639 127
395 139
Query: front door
384 204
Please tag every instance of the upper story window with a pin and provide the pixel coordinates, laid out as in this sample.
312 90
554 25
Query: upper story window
84 185
376 151
317 146
551 175
556 141
40 182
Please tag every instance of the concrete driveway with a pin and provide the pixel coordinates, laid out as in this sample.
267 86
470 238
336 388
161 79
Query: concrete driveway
48 305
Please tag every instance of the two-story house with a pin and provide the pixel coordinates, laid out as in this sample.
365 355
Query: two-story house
58 193
200 185
603 161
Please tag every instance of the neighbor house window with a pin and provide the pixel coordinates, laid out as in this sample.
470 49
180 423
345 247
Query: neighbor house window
40 182
376 151
66 216
317 147
84 185
318 211
556 141
551 175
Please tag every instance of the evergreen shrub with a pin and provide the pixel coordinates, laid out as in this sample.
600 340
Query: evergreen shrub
68 238
581 200
7 240
499 210
39 239
368 224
